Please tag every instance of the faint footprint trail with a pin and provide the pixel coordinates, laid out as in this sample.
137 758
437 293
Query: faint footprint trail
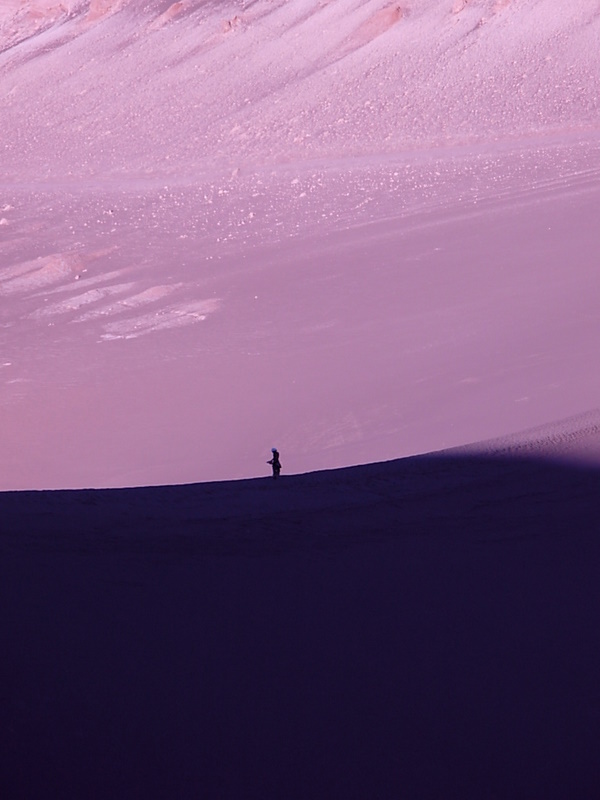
152 295
29 276
175 316
26 277
103 298
96 295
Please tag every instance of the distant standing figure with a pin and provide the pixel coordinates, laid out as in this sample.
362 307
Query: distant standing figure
275 462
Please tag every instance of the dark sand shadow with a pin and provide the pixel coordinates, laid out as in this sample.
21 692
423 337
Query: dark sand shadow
425 628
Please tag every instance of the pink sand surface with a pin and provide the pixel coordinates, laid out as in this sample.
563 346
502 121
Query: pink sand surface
357 231
352 230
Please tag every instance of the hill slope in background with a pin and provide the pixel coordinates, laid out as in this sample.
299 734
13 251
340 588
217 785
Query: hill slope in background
123 87
352 230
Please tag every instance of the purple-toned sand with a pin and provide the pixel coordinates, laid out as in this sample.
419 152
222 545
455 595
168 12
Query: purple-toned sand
348 230
364 233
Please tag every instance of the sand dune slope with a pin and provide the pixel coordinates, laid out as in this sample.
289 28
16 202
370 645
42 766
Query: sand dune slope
425 628
353 230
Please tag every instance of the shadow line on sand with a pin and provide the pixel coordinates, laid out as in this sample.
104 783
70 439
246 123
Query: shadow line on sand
422 628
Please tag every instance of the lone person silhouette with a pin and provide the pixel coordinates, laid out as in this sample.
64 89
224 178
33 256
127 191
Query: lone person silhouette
275 462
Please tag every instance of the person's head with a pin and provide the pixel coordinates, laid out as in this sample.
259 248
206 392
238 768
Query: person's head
274 451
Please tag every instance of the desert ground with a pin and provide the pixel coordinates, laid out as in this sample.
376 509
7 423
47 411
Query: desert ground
367 234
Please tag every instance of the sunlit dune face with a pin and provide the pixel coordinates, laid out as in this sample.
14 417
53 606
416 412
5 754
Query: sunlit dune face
358 230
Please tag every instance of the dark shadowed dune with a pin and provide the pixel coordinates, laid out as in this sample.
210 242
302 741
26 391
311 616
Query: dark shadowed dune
424 628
